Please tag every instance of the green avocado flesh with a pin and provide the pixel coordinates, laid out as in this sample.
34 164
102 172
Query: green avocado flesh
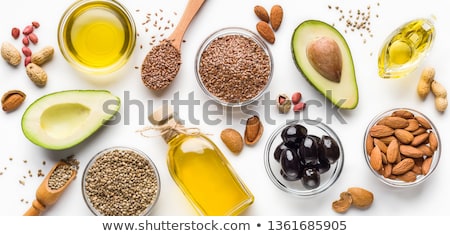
64 119
343 94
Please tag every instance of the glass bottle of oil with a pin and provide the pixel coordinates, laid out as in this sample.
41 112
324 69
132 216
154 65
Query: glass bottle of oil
405 48
201 170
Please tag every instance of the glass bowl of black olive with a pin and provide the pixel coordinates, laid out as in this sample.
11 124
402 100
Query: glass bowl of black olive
303 157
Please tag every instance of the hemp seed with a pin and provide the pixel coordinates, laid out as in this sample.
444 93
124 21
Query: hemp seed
120 182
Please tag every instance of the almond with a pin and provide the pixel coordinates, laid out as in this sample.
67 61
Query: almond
387 140
393 151
413 125
403 113
409 176
426 165
418 131
423 122
261 13
426 150
387 170
432 139
419 139
380 144
396 122
276 16
380 131
403 136
410 151
404 166
265 31
369 144
376 161
232 139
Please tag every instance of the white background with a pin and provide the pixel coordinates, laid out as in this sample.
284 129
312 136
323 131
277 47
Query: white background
376 95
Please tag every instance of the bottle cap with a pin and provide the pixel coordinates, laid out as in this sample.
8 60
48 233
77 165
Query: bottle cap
166 120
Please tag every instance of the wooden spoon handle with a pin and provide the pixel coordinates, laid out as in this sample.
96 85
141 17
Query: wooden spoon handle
36 209
191 10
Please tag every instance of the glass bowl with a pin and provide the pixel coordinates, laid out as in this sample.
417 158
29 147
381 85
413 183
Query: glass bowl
296 187
97 36
227 73
125 166
415 177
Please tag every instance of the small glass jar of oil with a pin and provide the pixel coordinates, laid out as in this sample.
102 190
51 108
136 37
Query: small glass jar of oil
97 36
405 48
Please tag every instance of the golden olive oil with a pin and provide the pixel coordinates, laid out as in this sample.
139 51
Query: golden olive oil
205 176
98 34
405 48
200 169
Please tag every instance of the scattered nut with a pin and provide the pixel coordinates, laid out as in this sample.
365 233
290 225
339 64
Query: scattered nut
354 196
36 74
276 16
361 198
253 130
424 84
232 139
343 204
15 32
283 103
11 100
299 106
10 54
261 13
42 56
296 97
265 31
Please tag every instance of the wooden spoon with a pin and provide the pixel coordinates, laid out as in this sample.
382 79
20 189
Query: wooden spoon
191 10
162 63
45 196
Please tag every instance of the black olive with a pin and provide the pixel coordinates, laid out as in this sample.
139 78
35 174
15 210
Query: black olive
309 150
278 150
311 178
290 164
329 149
292 135
323 165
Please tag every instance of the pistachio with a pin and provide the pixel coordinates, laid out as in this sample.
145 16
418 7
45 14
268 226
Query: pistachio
283 103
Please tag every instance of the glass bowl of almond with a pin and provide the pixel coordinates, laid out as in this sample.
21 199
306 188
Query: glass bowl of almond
402 147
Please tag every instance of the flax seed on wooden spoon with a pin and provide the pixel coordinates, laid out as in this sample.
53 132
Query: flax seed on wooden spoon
162 63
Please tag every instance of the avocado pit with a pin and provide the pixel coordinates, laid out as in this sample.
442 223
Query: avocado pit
325 57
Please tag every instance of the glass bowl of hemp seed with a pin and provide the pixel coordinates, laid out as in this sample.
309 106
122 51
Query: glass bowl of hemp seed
234 66
121 181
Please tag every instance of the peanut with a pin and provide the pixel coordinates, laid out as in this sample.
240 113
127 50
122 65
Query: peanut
10 54
37 74
424 85
440 96
42 56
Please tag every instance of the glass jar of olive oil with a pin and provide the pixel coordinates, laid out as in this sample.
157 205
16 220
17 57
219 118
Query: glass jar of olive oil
97 36
201 170
405 48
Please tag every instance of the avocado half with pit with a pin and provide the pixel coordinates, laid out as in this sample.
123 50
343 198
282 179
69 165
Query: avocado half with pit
64 119
322 55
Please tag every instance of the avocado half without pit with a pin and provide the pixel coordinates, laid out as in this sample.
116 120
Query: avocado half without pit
64 119
322 55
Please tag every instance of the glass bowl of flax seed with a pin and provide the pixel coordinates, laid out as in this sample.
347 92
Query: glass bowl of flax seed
121 181
234 66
